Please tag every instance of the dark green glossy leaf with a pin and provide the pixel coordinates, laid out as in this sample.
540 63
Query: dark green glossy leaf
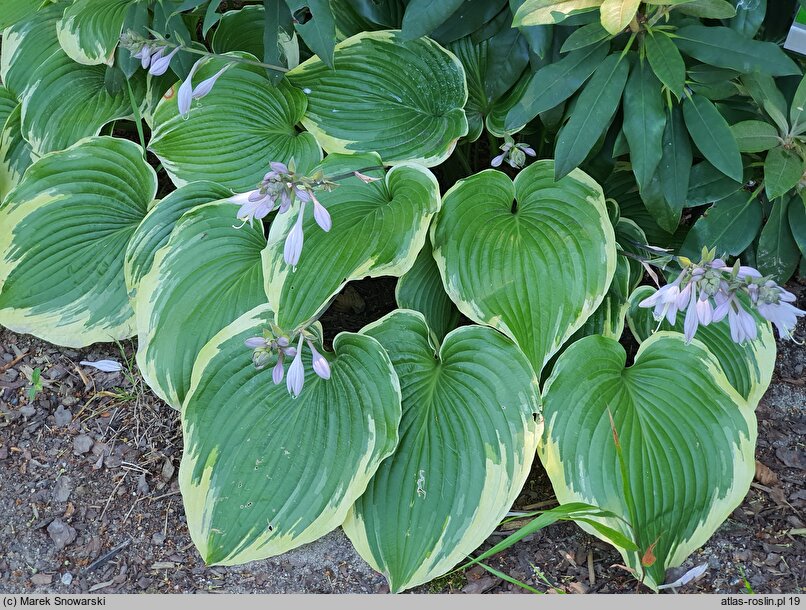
726 48
555 83
319 32
666 61
424 16
730 226
594 109
707 185
644 121
712 135
674 170
783 169
755 136
778 254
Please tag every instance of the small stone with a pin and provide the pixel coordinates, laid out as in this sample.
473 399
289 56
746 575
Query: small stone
62 416
82 444
61 533
55 372
167 470
67 578
28 411
41 579
62 489
158 538
142 485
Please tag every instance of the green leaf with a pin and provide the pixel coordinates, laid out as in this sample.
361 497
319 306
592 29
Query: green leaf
376 110
89 30
154 231
240 30
62 101
424 16
8 102
644 122
594 109
232 134
726 48
319 32
709 9
15 153
14 11
557 264
378 229
747 366
585 36
798 104
674 170
673 398
712 135
783 169
208 274
63 234
553 84
617 14
469 431
421 289
778 254
492 68
666 61
749 18
546 12
755 136
262 472
708 185
608 319
797 224
730 226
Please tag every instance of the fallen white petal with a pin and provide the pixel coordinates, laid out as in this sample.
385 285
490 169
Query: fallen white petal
687 577
107 366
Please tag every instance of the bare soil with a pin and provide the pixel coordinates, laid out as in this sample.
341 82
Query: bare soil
89 499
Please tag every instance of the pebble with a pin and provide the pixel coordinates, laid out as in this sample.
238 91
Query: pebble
67 578
61 533
158 538
41 579
62 489
28 411
62 416
82 444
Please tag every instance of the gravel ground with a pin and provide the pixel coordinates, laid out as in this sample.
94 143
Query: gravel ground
89 499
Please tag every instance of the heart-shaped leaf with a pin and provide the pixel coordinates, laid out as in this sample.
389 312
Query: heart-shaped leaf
748 366
154 231
208 274
263 472
63 235
232 134
378 229
685 439
533 259
468 435
362 105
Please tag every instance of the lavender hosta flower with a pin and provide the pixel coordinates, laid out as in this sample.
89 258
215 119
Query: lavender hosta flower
256 342
692 320
254 205
321 215
664 301
278 371
144 55
742 325
296 372
161 62
187 92
320 364
293 242
775 305
514 154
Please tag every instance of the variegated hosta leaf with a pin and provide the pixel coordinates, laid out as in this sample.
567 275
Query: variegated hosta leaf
62 101
208 274
232 134
242 30
687 439
468 436
608 319
263 472
8 102
154 231
748 366
366 105
15 153
378 229
421 289
63 234
533 259
12 11
492 66
90 30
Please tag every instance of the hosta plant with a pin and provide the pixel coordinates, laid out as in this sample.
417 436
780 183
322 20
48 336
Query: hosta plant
207 176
